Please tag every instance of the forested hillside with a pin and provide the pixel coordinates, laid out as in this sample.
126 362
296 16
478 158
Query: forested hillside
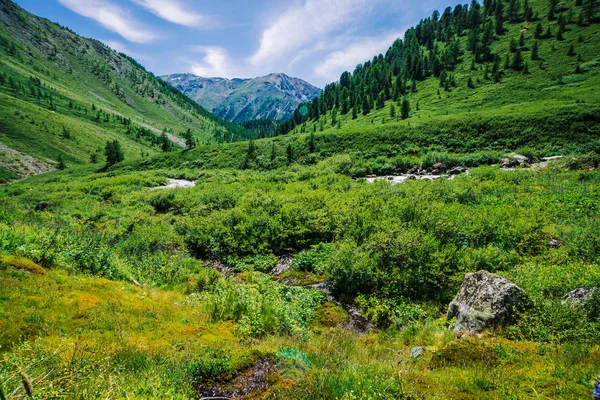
63 97
495 58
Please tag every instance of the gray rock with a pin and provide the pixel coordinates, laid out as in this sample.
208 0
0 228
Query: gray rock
510 163
283 264
579 297
520 158
417 352
486 300
458 170
439 167
554 242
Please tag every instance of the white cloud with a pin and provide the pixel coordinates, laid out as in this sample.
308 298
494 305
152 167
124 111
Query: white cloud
301 26
359 51
173 11
112 17
215 63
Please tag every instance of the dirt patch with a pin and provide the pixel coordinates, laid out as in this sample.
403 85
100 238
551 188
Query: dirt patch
254 380
21 164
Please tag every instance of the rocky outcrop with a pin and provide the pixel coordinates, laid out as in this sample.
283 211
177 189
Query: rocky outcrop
516 160
579 297
485 300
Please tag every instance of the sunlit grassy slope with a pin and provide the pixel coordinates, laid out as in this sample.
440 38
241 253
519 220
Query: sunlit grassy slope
64 95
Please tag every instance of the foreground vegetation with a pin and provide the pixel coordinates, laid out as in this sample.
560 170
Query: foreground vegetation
396 252
112 287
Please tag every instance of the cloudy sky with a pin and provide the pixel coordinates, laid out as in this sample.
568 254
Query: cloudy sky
315 40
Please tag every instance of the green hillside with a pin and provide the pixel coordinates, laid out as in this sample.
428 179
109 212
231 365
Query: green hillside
62 95
548 107
466 65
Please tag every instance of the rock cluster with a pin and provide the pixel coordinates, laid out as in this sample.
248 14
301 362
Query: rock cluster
486 300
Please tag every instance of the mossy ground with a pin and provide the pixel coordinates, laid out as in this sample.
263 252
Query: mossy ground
86 337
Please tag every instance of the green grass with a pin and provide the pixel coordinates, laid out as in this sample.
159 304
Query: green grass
47 89
84 329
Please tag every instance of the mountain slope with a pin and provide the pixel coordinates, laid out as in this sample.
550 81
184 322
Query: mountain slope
549 105
274 96
492 60
63 96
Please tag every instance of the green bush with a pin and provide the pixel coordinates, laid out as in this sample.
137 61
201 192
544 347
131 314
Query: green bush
312 260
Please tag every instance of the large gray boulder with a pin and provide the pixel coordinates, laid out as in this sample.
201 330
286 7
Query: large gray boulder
485 300
579 296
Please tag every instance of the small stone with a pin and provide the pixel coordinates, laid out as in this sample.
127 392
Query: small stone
417 352
579 297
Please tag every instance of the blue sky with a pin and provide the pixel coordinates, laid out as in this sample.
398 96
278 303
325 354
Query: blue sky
315 40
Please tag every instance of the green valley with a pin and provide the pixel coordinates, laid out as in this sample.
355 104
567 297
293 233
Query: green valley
65 96
427 228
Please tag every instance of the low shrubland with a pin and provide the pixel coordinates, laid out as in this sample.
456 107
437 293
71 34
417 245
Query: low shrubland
396 252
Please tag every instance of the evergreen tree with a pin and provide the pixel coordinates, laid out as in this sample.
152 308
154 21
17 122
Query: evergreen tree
344 101
552 9
581 18
589 10
517 63
113 152
311 143
499 17
366 107
61 163
470 83
559 33
392 111
380 101
513 10
571 51
273 153
405 111
535 51
251 148
354 113
539 31
165 143
527 11
190 143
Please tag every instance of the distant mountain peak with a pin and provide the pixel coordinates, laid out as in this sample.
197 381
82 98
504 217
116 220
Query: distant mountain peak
273 96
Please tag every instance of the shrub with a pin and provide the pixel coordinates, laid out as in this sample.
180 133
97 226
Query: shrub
312 260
